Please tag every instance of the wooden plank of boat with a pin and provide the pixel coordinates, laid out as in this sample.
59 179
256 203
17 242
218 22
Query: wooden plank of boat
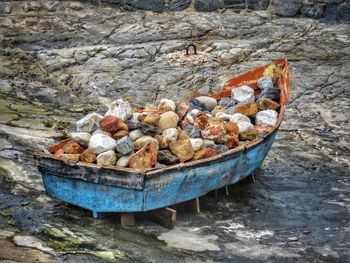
114 189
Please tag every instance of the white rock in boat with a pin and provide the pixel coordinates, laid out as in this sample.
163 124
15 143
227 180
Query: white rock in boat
82 138
243 126
87 123
238 117
266 118
208 143
124 145
107 158
171 134
123 161
196 143
100 143
208 102
243 94
120 109
194 113
265 83
167 105
136 134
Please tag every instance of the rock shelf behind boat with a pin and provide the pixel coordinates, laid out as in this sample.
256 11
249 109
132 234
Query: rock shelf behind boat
174 131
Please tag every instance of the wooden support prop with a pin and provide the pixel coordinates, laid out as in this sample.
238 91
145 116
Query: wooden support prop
193 206
226 190
127 219
165 217
253 177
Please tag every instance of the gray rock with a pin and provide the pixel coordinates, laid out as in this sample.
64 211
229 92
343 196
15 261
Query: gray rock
243 94
82 138
238 117
208 102
152 5
136 134
226 103
196 143
87 123
208 143
286 7
107 158
170 134
220 148
231 110
32 242
273 94
339 12
100 143
148 129
258 4
235 4
120 109
265 83
124 145
208 6
5 8
123 161
178 5
133 123
192 131
6 234
32 6
195 105
266 118
313 11
166 157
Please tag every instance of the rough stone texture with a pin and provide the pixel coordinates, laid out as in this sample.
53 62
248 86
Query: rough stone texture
286 8
178 5
208 6
55 66
153 5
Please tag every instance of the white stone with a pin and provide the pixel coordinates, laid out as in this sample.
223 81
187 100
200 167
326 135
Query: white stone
87 123
223 116
120 109
100 143
194 113
243 126
196 144
82 138
165 103
136 134
208 143
238 117
32 242
145 139
208 102
243 94
266 118
123 161
189 118
107 158
5 233
265 83
171 134
101 132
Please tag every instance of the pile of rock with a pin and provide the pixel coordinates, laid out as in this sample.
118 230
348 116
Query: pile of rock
174 132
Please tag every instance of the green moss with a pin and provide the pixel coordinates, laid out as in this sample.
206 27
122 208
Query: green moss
6 214
48 123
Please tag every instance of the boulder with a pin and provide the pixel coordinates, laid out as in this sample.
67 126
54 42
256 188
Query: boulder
82 138
243 94
244 125
181 109
149 118
178 5
145 158
204 153
106 158
221 148
139 143
120 109
231 128
167 105
120 134
109 124
192 131
265 83
249 134
72 147
201 120
226 103
182 149
100 143
196 144
123 161
268 104
148 129
163 142
218 109
166 157
168 120
215 133
171 134
208 102
136 134
232 141
88 156
87 123
208 6
238 117
124 145
266 118
133 123
247 108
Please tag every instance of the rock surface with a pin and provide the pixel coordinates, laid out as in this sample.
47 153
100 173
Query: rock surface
55 70
107 158
100 143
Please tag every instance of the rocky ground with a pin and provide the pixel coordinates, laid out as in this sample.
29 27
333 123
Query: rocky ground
59 60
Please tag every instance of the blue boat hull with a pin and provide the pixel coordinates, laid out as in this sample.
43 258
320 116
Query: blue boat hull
169 187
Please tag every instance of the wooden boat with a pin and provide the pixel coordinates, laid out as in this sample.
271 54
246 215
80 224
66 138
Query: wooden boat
114 189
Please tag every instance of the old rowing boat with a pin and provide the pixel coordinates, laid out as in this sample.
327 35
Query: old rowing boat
113 189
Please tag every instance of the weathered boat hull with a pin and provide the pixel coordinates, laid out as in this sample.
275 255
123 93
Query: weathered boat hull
160 190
